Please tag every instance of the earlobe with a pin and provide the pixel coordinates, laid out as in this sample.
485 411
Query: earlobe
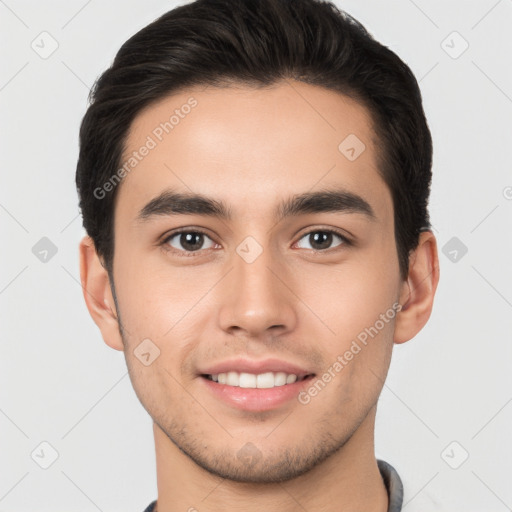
98 294
417 294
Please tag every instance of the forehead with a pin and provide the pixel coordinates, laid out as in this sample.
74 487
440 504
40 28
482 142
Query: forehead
250 146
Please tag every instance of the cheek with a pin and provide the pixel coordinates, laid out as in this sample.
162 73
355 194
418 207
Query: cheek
158 388
153 301
350 298
170 310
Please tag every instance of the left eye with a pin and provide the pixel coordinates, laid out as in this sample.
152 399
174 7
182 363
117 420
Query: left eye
322 239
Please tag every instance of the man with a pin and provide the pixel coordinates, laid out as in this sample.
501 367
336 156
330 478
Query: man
254 179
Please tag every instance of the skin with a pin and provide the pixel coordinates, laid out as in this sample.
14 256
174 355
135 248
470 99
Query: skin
251 149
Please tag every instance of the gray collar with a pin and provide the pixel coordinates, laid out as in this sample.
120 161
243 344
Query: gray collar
393 485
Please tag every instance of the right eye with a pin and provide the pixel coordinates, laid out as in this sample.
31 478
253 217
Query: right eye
186 241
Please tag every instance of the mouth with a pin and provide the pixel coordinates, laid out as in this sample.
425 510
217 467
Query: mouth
266 380
256 392
255 385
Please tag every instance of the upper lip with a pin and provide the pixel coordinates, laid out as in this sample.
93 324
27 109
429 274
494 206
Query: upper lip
255 367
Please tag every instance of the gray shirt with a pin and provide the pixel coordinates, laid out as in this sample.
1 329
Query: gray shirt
391 479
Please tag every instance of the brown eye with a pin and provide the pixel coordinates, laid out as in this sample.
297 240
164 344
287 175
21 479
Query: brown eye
188 241
321 240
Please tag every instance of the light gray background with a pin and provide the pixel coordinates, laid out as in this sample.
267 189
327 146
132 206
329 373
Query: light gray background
59 382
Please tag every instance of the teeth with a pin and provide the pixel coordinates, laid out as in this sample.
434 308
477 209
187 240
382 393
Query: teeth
280 378
232 379
290 379
265 380
249 380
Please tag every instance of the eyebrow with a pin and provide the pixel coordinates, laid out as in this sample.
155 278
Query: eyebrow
171 202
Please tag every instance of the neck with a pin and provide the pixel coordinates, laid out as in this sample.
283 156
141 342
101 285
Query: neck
349 480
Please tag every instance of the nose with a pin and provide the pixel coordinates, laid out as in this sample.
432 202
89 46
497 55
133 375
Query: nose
258 296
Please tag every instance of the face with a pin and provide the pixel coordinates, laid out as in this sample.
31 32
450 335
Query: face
257 326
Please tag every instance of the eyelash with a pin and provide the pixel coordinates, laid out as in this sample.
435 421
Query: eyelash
191 254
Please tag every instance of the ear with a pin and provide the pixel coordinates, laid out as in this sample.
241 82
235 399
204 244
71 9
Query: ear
417 293
98 295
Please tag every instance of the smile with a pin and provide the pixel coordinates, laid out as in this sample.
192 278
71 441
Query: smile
255 381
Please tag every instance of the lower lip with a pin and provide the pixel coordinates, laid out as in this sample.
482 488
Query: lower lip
256 399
